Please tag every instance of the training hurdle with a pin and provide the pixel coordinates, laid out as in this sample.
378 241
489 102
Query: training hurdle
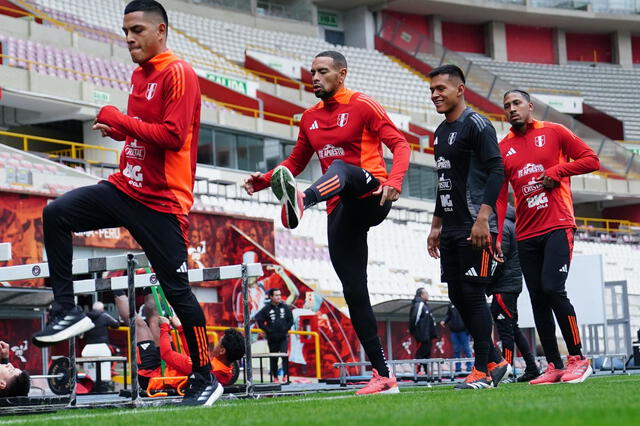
130 282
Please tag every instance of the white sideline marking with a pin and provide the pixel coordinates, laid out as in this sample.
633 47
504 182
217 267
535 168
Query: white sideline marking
220 404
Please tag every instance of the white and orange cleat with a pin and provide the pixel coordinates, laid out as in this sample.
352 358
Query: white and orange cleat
577 370
379 384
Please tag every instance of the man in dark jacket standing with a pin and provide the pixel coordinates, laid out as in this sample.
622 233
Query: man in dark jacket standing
505 288
97 344
422 325
276 319
459 335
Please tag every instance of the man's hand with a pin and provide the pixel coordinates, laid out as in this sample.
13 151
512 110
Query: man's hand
388 193
547 182
104 129
163 320
175 322
433 242
4 350
498 256
249 183
480 236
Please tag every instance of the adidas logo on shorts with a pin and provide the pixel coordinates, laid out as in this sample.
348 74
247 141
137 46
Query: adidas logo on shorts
564 269
471 273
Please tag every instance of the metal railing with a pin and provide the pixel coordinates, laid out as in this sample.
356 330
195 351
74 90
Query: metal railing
75 150
613 156
607 225
315 335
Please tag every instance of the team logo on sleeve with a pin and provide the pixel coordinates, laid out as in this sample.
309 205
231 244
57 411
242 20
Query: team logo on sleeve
342 119
151 90
539 141
452 137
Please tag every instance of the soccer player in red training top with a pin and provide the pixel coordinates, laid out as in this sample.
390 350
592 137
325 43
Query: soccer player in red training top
346 130
151 195
470 176
537 163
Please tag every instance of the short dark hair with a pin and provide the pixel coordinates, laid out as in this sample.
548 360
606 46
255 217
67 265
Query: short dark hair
271 291
450 69
338 58
18 386
233 343
147 6
525 95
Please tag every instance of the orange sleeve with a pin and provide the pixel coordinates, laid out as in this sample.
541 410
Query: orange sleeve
584 159
177 361
381 125
180 87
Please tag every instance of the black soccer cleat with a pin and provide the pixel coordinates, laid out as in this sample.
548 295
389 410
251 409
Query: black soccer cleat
62 326
476 380
499 371
527 376
202 389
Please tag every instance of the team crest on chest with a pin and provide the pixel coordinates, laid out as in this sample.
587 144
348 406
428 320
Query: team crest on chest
342 119
539 141
151 90
452 137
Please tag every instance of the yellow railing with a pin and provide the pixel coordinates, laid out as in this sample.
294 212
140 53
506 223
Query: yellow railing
607 225
256 113
554 91
315 335
74 150
276 78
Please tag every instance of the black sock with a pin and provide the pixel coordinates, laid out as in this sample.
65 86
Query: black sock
310 198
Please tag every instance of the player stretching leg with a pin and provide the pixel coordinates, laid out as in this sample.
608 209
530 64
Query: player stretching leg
470 175
537 164
150 195
346 130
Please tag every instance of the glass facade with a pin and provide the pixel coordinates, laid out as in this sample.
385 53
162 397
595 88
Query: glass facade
249 152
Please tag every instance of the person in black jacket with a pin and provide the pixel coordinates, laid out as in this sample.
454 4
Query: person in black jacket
97 344
505 288
276 319
422 325
459 335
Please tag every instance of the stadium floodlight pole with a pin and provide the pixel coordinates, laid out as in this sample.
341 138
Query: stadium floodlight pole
248 367
131 266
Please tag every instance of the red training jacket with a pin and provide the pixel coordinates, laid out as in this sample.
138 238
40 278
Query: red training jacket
349 126
158 162
544 147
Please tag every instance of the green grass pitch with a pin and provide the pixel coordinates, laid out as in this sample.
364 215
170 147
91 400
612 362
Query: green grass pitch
611 400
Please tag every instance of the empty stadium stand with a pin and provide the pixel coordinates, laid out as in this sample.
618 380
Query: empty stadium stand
605 87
